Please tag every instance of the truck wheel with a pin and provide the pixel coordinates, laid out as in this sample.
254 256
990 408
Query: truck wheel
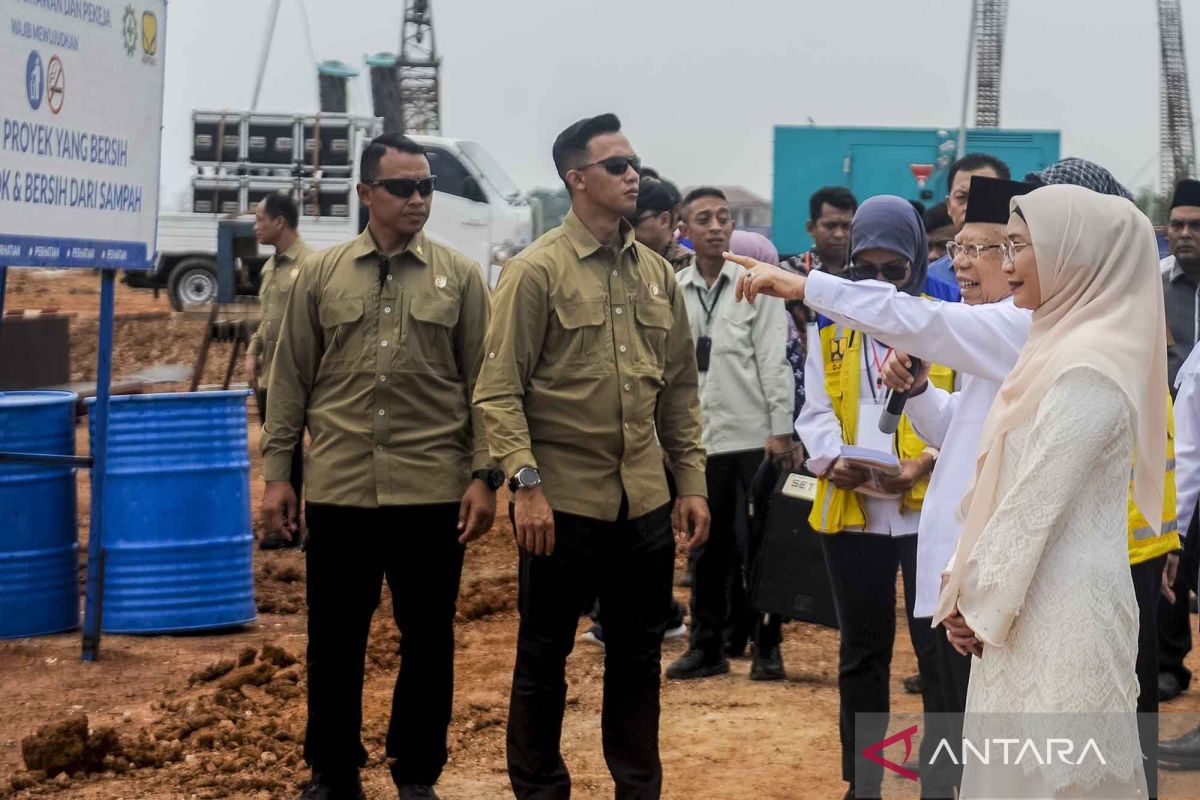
192 283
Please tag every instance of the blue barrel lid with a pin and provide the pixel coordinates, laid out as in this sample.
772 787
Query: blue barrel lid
22 399
153 397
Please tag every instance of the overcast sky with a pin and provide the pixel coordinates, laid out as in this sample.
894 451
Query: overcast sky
698 84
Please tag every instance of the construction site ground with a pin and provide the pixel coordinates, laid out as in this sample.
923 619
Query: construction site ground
222 715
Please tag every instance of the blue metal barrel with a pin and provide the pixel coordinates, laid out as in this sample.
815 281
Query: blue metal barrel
39 558
178 546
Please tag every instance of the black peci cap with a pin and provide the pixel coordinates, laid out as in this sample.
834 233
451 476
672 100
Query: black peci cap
989 198
1187 193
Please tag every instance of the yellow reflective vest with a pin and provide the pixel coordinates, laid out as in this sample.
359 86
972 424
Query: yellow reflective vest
836 509
1146 543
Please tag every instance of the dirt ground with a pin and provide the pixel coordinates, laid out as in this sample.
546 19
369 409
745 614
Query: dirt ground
222 716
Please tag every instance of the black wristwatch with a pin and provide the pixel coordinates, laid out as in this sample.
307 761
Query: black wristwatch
494 477
525 478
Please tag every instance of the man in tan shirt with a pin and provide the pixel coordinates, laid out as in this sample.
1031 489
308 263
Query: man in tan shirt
276 218
378 354
590 367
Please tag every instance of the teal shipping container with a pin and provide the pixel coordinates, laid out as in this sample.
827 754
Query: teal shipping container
873 161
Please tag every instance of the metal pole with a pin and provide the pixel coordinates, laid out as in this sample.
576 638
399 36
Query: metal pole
98 442
966 96
272 16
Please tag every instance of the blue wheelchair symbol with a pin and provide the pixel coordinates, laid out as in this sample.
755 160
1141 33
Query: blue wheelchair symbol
35 80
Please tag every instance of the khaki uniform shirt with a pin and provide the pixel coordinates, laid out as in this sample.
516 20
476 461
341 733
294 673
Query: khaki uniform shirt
278 277
589 358
381 375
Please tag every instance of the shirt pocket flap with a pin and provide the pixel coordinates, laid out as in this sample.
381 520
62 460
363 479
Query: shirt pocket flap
435 309
340 311
582 314
655 313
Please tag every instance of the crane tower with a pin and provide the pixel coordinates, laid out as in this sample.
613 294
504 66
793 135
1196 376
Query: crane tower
1177 139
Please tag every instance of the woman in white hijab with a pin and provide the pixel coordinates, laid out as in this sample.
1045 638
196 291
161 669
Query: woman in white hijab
1039 588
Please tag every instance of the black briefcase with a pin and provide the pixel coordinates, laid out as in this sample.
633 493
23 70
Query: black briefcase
788 575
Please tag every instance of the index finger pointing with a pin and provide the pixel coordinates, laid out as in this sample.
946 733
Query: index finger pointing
744 261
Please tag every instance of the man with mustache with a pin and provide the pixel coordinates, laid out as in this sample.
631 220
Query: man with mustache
378 353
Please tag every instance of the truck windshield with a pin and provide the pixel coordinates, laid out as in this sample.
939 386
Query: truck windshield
492 172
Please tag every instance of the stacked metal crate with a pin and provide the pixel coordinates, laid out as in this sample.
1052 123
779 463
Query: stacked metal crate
241 157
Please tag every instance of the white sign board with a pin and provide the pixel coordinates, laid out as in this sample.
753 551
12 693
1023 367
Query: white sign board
81 94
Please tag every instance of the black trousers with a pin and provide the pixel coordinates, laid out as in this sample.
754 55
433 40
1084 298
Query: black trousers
1175 622
862 573
628 565
1147 587
718 604
297 478
349 553
954 676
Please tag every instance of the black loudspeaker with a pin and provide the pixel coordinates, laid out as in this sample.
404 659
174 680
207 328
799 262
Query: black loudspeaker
788 575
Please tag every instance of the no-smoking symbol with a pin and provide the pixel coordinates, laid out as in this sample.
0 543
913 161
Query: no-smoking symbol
56 84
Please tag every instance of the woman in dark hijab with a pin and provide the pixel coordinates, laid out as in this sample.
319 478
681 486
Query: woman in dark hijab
887 242
870 520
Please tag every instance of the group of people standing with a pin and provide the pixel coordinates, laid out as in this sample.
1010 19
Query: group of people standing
629 389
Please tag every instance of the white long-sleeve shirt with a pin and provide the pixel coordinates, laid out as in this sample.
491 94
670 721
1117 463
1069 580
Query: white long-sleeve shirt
983 343
1187 440
819 429
748 391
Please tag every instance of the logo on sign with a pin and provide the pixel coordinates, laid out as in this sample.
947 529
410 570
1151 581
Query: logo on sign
35 80
56 84
149 33
129 30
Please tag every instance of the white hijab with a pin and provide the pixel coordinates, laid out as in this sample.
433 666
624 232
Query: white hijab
1101 307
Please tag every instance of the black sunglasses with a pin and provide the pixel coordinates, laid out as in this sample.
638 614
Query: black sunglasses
616 165
404 187
891 271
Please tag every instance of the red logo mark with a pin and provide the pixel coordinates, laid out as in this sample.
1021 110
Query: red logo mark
875 753
56 84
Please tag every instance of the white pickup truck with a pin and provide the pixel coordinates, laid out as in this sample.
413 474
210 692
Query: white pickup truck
477 209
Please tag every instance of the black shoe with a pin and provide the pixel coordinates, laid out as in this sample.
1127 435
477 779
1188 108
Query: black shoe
694 664
1184 751
767 666
277 541
416 792
1169 687
323 791
913 684
593 635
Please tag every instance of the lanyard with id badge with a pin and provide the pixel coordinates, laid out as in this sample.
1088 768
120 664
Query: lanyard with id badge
704 343
868 437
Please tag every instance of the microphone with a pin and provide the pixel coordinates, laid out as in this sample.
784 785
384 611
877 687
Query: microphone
889 420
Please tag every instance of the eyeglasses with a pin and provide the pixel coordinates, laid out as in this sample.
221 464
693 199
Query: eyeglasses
1011 248
865 270
404 187
616 165
971 251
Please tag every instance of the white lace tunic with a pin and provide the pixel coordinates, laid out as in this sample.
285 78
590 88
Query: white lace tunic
1054 561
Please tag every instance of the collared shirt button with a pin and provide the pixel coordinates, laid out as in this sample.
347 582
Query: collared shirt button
623 348
379 447
616 274
383 378
627 387
491 355
384 343
389 276
382 412
619 310
387 309
626 426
